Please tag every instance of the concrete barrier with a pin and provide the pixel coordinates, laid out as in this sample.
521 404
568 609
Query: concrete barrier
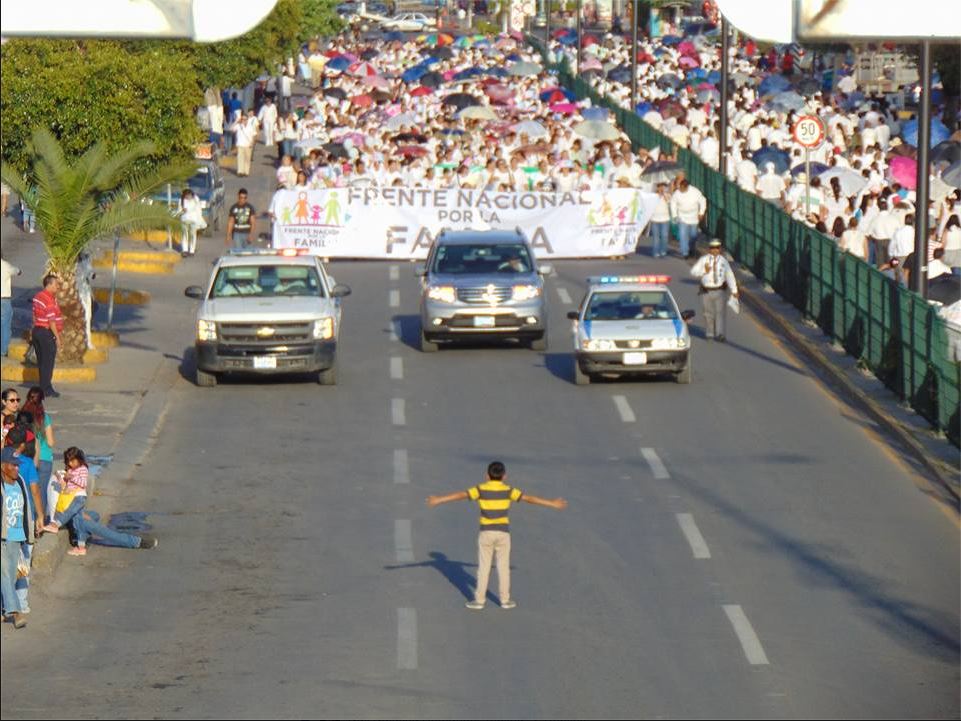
18 373
18 351
121 296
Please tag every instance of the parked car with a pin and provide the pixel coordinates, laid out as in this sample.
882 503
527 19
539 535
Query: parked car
409 22
207 183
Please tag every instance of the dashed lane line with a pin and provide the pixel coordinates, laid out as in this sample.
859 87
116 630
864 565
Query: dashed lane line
657 467
394 272
401 466
564 295
624 409
397 368
394 298
403 541
693 535
397 412
746 635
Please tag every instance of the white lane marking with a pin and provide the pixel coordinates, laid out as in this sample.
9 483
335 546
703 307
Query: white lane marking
397 368
564 295
395 330
394 298
745 634
403 541
693 535
397 415
394 272
657 468
401 466
627 415
406 639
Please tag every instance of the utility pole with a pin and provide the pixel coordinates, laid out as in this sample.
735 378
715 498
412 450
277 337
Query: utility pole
919 273
725 80
634 56
577 53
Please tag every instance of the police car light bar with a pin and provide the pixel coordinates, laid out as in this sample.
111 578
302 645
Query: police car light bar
285 252
651 279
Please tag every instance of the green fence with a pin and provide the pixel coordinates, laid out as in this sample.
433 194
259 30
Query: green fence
892 330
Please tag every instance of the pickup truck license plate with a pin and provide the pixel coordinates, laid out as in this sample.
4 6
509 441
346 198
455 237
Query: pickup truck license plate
635 359
484 321
265 362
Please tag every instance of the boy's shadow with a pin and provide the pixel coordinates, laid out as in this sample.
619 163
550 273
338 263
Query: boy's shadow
453 571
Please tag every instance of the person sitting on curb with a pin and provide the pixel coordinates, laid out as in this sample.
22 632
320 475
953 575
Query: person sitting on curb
16 531
73 498
106 536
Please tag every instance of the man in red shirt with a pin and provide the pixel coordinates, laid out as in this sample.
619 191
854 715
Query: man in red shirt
47 326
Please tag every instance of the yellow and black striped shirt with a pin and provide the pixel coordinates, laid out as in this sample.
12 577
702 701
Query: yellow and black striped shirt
494 499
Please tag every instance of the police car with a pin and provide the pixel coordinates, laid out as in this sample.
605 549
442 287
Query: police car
630 325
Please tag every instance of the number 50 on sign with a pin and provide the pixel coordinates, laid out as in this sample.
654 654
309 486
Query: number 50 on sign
808 131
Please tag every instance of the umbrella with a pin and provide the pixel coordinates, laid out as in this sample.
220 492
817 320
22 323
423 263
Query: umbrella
431 79
557 95
412 151
808 87
308 144
947 152
588 41
774 84
568 39
477 112
435 39
336 150
620 74
781 160
741 79
697 74
532 148
939 190
399 121
904 171
591 63
499 93
561 32
369 54
416 138
669 108
461 100
441 53
393 35
339 64
592 71
643 108
468 73
668 80
524 69
708 95
785 101
375 81
414 74
496 72
595 114
904 151
939 133
531 128
564 108
671 40
816 169
688 62
945 289
663 171
362 101
596 130
464 41
714 77
380 96
338 93
852 182
362 69
686 48
419 91
952 175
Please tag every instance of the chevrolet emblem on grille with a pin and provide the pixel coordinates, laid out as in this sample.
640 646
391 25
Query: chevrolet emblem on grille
265 332
489 295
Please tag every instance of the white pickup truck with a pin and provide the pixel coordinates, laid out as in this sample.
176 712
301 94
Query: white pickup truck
268 312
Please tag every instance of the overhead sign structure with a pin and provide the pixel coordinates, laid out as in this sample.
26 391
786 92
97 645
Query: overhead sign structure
867 19
203 21
808 131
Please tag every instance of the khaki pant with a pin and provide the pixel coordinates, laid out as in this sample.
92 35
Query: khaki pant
244 154
490 543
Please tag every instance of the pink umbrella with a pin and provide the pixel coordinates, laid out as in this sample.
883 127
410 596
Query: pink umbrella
687 48
564 108
499 92
706 86
362 69
688 62
904 171
592 63
375 81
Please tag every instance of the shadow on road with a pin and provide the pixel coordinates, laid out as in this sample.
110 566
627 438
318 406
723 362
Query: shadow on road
454 571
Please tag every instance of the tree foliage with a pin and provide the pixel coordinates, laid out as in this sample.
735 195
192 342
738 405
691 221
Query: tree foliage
86 92
320 19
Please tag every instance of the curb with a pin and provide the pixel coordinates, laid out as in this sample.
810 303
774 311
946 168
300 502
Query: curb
100 338
121 296
150 236
65 374
138 267
18 351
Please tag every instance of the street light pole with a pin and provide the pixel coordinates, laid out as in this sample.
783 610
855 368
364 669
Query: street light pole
547 27
634 56
577 53
725 80
919 273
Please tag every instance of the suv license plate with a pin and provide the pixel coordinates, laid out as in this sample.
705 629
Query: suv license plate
484 321
265 362
635 359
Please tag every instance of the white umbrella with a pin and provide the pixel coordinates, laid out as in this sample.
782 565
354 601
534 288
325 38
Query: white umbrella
524 68
596 130
531 128
398 121
851 182
477 112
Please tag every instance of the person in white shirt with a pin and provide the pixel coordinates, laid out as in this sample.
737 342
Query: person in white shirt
746 173
245 130
661 222
268 122
7 272
853 241
192 219
880 232
901 244
771 186
716 279
688 206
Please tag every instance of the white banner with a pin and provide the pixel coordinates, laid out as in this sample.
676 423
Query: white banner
403 222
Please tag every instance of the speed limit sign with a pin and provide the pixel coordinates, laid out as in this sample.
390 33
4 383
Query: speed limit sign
808 131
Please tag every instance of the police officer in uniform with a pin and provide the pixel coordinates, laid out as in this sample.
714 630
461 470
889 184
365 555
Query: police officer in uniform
717 280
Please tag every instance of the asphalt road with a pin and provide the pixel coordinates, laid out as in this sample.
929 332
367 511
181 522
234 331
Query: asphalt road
744 547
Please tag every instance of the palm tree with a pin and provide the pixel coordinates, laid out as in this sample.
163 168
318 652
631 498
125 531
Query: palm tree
77 201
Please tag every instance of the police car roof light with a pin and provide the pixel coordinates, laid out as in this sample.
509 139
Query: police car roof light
651 279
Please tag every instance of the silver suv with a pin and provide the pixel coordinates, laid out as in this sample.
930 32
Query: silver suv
482 283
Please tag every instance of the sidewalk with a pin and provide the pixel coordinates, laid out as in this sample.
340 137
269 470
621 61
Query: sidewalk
116 418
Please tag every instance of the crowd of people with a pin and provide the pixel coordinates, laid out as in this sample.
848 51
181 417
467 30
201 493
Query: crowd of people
861 189
38 499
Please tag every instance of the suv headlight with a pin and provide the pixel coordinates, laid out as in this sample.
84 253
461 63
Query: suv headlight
443 293
525 292
324 329
206 330
598 344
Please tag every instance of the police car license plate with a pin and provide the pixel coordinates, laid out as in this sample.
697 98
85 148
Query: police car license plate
265 362
484 321
635 359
